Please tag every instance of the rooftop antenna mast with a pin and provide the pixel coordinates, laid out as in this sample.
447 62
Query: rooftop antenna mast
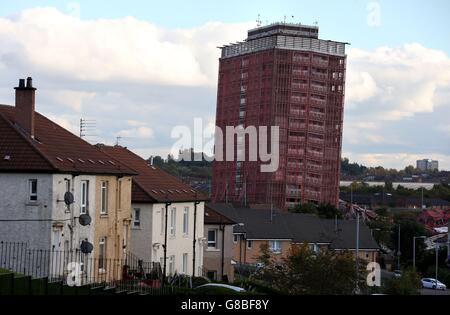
118 138
87 125
258 21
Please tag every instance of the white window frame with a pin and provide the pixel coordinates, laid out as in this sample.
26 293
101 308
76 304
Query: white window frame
186 221
215 239
185 263
32 195
102 254
249 244
84 198
104 197
235 238
163 227
275 246
136 218
172 265
173 221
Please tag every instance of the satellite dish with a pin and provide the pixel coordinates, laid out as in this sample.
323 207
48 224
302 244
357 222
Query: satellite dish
84 219
68 198
86 247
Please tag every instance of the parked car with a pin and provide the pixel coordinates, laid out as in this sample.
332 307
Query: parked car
397 274
223 286
428 283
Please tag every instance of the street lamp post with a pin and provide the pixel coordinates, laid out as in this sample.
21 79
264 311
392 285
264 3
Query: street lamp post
437 266
399 253
414 249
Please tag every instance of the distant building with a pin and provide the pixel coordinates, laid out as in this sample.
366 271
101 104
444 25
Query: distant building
283 231
428 165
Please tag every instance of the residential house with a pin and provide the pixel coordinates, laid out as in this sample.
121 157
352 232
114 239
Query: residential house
283 231
40 162
165 211
218 253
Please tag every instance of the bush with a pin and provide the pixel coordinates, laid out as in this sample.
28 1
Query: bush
408 284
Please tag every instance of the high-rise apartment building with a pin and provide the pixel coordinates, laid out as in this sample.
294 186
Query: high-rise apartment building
283 75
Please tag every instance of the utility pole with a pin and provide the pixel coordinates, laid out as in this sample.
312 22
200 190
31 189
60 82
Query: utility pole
448 243
399 253
437 266
357 251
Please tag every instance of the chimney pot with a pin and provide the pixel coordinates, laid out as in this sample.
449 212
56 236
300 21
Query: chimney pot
22 83
29 82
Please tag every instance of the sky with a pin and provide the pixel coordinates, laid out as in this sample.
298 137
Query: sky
140 68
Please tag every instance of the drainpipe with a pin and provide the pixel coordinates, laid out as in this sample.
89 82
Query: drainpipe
222 227
194 237
165 241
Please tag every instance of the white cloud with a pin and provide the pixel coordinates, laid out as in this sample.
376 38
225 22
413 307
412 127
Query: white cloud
66 122
125 49
139 133
72 99
396 83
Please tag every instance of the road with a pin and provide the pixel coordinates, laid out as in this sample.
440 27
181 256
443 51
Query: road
432 292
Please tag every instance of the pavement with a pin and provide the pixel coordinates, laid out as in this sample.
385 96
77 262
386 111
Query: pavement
434 292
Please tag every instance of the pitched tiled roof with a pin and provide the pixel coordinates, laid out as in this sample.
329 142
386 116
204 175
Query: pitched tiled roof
299 228
54 149
214 217
152 184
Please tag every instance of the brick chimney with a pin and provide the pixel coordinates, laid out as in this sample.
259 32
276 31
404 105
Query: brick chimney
25 103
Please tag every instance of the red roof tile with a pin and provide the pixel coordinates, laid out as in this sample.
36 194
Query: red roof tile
54 149
152 184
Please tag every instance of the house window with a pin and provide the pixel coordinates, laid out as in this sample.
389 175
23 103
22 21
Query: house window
120 195
67 185
32 188
186 221
68 190
104 197
212 239
172 265
57 234
173 221
163 227
235 238
275 246
82 257
84 205
185 263
102 254
315 248
249 244
137 218
212 275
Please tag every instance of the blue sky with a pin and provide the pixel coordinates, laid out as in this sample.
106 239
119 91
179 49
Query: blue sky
401 20
140 68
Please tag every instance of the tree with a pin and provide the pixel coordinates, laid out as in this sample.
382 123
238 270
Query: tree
305 272
307 208
408 284
328 211
265 255
409 228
